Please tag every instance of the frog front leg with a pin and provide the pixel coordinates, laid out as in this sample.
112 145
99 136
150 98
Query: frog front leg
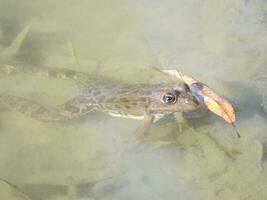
144 127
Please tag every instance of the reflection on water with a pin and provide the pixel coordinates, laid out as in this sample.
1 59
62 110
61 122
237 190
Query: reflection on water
96 157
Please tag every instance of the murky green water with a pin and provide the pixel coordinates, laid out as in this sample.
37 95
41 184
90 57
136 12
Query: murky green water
221 43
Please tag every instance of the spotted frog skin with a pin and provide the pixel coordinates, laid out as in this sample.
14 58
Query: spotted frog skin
140 101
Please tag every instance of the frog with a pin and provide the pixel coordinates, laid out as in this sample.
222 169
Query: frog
143 101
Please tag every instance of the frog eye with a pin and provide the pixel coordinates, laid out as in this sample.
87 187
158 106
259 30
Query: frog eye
169 98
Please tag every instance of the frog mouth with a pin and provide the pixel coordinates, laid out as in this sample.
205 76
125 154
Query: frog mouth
196 101
192 104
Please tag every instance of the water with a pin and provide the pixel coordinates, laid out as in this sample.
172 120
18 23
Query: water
223 44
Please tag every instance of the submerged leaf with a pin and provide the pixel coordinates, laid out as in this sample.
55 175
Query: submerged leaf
17 42
73 53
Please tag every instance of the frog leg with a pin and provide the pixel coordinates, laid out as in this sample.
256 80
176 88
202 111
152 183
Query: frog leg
7 70
29 108
143 128
59 73
69 110
185 118
77 107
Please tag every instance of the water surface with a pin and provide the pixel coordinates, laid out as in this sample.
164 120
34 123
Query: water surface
221 43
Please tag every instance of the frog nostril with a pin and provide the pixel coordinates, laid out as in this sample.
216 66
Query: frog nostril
177 93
